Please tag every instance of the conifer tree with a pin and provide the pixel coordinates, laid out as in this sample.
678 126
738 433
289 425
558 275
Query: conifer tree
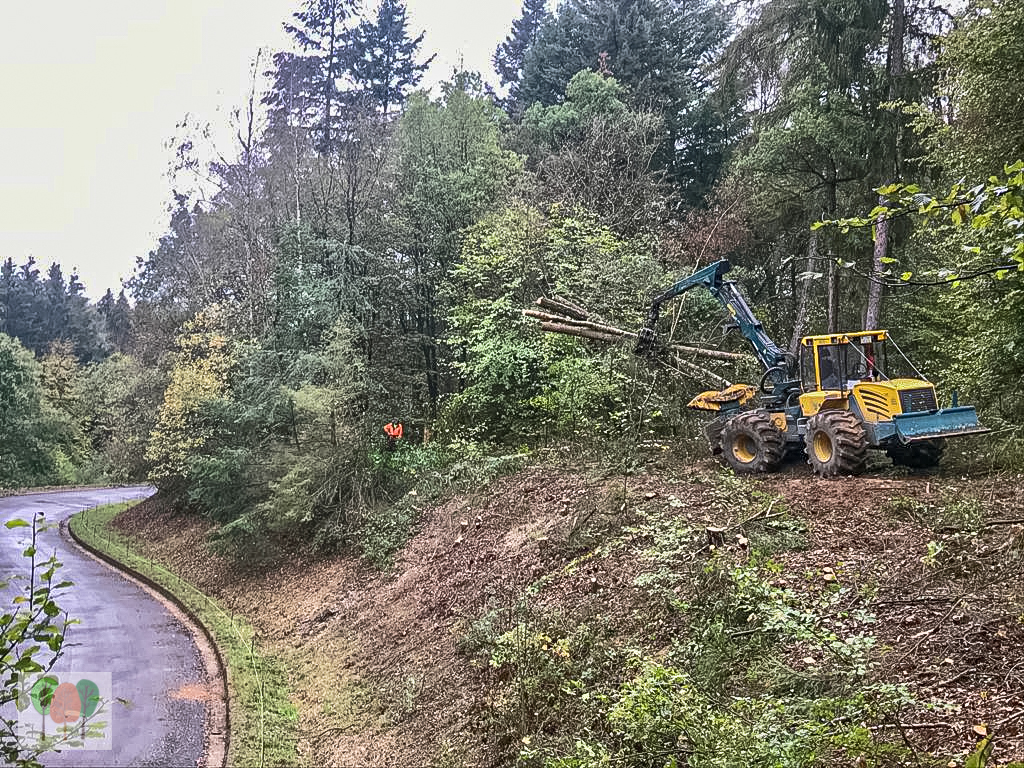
664 52
511 54
116 314
380 58
305 92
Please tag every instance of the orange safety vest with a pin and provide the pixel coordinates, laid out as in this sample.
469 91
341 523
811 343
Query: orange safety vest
394 430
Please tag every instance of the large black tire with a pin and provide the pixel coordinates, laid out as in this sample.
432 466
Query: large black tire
836 444
921 455
713 434
752 443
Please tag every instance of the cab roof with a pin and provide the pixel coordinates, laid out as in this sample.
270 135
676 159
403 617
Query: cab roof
844 338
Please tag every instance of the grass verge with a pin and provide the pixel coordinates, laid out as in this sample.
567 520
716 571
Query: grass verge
262 719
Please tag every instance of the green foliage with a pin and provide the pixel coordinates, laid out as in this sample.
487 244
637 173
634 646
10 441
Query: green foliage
594 153
24 460
589 96
553 672
990 211
510 55
969 242
307 82
32 632
381 58
199 375
661 717
664 54
452 168
119 398
519 383
41 311
983 76
287 446
571 695
40 442
61 378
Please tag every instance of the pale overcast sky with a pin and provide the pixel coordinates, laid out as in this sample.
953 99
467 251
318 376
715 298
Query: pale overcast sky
92 92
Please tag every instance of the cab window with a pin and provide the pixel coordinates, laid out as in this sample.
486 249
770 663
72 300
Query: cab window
807 375
830 365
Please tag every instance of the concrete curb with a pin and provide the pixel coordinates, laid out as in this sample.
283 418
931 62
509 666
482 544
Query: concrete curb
218 723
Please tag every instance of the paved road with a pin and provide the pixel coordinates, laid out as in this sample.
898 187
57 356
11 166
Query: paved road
151 658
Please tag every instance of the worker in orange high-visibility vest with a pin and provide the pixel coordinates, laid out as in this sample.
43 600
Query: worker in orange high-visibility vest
394 432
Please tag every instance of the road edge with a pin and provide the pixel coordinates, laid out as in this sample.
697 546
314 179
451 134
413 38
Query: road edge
218 722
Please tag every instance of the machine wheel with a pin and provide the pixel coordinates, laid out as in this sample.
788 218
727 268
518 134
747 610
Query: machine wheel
836 444
713 434
921 455
752 443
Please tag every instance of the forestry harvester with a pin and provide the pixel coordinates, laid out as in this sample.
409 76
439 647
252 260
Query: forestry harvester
834 402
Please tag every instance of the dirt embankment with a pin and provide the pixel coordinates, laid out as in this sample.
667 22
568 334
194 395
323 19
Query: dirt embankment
378 662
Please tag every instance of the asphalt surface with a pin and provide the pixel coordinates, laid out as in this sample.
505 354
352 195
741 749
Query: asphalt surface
150 656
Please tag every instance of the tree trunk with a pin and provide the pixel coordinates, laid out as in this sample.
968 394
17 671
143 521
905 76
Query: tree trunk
832 320
805 290
873 312
329 80
891 170
833 296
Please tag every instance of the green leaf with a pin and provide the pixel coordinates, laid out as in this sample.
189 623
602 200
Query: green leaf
979 758
16 523
887 260
906 276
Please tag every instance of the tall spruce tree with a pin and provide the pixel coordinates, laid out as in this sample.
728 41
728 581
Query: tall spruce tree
305 92
380 58
116 314
55 296
24 304
8 295
510 55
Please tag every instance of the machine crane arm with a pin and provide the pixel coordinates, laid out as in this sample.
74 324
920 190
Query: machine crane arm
729 296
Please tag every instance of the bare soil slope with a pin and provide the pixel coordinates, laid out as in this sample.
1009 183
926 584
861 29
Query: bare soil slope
382 666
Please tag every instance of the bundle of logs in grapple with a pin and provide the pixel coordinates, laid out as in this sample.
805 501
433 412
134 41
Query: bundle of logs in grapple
559 315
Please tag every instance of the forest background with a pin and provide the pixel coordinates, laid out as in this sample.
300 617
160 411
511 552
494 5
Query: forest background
364 252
